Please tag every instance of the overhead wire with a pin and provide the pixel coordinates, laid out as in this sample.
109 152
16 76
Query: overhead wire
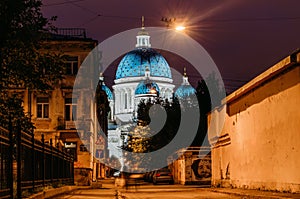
74 2
61 3
227 80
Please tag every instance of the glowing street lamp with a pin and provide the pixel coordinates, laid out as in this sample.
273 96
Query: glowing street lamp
171 23
180 28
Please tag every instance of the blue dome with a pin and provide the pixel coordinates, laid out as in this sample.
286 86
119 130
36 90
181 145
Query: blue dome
108 92
184 91
134 64
147 88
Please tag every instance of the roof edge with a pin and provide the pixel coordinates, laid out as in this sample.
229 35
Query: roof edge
290 61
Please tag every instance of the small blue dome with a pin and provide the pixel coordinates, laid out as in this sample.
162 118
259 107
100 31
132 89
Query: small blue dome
147 88
184 91
134 64
108 92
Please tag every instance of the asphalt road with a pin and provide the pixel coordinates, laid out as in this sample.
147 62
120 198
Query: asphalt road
172 192
146 191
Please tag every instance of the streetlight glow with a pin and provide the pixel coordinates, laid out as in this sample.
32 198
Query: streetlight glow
180 28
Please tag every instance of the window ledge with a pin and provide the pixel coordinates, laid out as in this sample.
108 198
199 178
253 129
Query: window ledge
42 119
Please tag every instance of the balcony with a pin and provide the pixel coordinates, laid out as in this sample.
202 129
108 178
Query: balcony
70 125
80 123
62 124
65 33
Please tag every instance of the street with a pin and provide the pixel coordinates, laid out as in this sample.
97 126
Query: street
146 191
172 191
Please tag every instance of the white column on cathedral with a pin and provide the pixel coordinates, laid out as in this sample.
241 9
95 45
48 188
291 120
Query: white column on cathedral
116 101
122 101
132 99
112 111
128 99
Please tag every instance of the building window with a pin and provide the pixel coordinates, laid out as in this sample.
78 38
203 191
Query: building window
71 65
42 107
71 148
70 109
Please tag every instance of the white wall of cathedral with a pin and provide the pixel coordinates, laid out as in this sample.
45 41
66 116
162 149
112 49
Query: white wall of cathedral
124 97
124 91
143 41
112 110
114 142
166 90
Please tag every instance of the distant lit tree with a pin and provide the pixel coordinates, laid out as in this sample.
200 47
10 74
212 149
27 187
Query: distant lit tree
142 138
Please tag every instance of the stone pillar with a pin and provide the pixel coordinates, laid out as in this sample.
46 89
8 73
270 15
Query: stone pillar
94 171
98 170
102 171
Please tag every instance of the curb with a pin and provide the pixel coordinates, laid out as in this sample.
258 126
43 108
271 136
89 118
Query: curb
56 191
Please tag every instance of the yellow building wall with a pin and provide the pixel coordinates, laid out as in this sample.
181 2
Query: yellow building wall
50 127
262 131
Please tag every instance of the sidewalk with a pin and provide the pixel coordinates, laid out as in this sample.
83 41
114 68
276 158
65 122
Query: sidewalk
248 193
242 193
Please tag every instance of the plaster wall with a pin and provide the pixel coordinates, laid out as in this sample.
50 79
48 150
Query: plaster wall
261 132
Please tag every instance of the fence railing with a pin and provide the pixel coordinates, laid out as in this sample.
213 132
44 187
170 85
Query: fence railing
28 164
70 32
6 180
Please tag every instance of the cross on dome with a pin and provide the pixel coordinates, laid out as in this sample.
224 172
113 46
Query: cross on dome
185 90
143 38
185 80
143 22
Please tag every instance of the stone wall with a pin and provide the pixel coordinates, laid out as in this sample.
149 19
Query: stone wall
259 145
193 166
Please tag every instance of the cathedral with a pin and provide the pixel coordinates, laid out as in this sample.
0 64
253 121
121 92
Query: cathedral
142 74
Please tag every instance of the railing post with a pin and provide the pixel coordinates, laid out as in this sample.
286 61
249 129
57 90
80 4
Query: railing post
72 169
51 162
11 158
64 167
44 166
19 156
33 162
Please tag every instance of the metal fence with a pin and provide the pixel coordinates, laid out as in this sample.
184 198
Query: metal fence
28 164
70 33
6 182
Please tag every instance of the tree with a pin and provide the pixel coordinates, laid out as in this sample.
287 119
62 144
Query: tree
142 138
102 107
24 64
203 97
208 98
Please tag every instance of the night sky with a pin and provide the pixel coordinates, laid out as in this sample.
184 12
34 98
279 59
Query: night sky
244 38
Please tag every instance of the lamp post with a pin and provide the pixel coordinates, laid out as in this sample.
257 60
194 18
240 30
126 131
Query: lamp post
171 23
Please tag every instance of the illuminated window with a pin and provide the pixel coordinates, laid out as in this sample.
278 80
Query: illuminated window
42 107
